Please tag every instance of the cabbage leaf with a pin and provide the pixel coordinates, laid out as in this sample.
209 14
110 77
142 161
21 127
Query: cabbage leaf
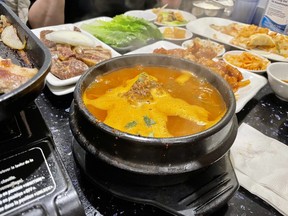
123 31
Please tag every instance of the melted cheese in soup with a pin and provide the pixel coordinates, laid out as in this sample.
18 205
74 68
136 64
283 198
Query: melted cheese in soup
154 101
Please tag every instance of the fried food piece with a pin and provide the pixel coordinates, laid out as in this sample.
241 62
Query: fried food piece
255 37
262 40
232 75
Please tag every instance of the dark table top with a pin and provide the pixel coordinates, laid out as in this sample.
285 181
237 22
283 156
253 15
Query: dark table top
265 112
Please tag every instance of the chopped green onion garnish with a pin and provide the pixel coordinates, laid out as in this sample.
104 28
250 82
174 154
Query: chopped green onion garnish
148 121
131 124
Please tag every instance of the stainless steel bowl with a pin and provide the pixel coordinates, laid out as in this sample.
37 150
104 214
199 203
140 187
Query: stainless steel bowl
207 9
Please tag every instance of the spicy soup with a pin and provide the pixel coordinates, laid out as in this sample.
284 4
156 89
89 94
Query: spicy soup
154 101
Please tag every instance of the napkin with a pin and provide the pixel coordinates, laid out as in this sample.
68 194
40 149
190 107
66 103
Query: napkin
261 166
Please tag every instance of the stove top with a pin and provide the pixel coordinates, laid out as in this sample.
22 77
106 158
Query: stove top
204 192
33 180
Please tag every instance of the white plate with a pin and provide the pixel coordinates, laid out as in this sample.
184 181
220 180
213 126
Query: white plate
243 95
61 90
53 80
219 47
239 52
202 27
187 16
187 36
120 50
144 14
150 48
104 18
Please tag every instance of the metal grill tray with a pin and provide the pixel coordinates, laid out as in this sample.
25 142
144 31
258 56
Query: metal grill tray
39 56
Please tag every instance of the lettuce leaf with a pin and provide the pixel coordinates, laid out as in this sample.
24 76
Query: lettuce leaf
123 31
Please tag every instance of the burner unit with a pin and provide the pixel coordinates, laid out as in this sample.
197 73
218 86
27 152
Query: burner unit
204 192
33 180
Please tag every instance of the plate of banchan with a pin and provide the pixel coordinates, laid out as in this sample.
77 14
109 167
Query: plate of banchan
242 95
202 27
65 86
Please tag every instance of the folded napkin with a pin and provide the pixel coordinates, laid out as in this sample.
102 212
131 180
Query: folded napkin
261 166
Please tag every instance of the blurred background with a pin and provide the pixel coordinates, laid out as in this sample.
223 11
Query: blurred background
246 11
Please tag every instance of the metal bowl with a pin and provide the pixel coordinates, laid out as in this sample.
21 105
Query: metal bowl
207 9
148 156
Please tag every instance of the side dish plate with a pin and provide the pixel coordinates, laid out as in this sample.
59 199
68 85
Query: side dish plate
120 49
53 80
147 15
202 27
61 90
243 95
186 15
257 61
220 49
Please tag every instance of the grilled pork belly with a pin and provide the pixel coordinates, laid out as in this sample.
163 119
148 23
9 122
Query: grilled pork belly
12 75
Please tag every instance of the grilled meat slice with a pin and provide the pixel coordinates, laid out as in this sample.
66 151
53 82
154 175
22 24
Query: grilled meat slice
64 51
25 59
47 43
92 55
12 76
68 68
69 61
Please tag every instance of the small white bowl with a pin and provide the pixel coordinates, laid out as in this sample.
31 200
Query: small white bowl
187 36
277 72
218 48
238 53
147 15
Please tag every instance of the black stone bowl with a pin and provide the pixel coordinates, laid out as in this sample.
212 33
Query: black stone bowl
145 157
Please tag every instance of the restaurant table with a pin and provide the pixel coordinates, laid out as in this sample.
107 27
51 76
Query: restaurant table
264 111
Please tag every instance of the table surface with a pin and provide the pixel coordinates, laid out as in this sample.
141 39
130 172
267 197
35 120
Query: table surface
265 112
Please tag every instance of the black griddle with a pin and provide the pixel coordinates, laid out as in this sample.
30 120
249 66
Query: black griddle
39 57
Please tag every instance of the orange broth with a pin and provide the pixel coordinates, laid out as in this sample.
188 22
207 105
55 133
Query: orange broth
181 103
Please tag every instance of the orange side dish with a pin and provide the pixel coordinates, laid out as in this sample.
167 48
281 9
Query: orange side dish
247 61
174 33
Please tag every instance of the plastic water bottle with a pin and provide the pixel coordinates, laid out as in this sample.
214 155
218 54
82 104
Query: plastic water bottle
244 10
260 9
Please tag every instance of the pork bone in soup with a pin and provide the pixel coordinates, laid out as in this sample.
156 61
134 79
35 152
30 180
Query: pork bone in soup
154 101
